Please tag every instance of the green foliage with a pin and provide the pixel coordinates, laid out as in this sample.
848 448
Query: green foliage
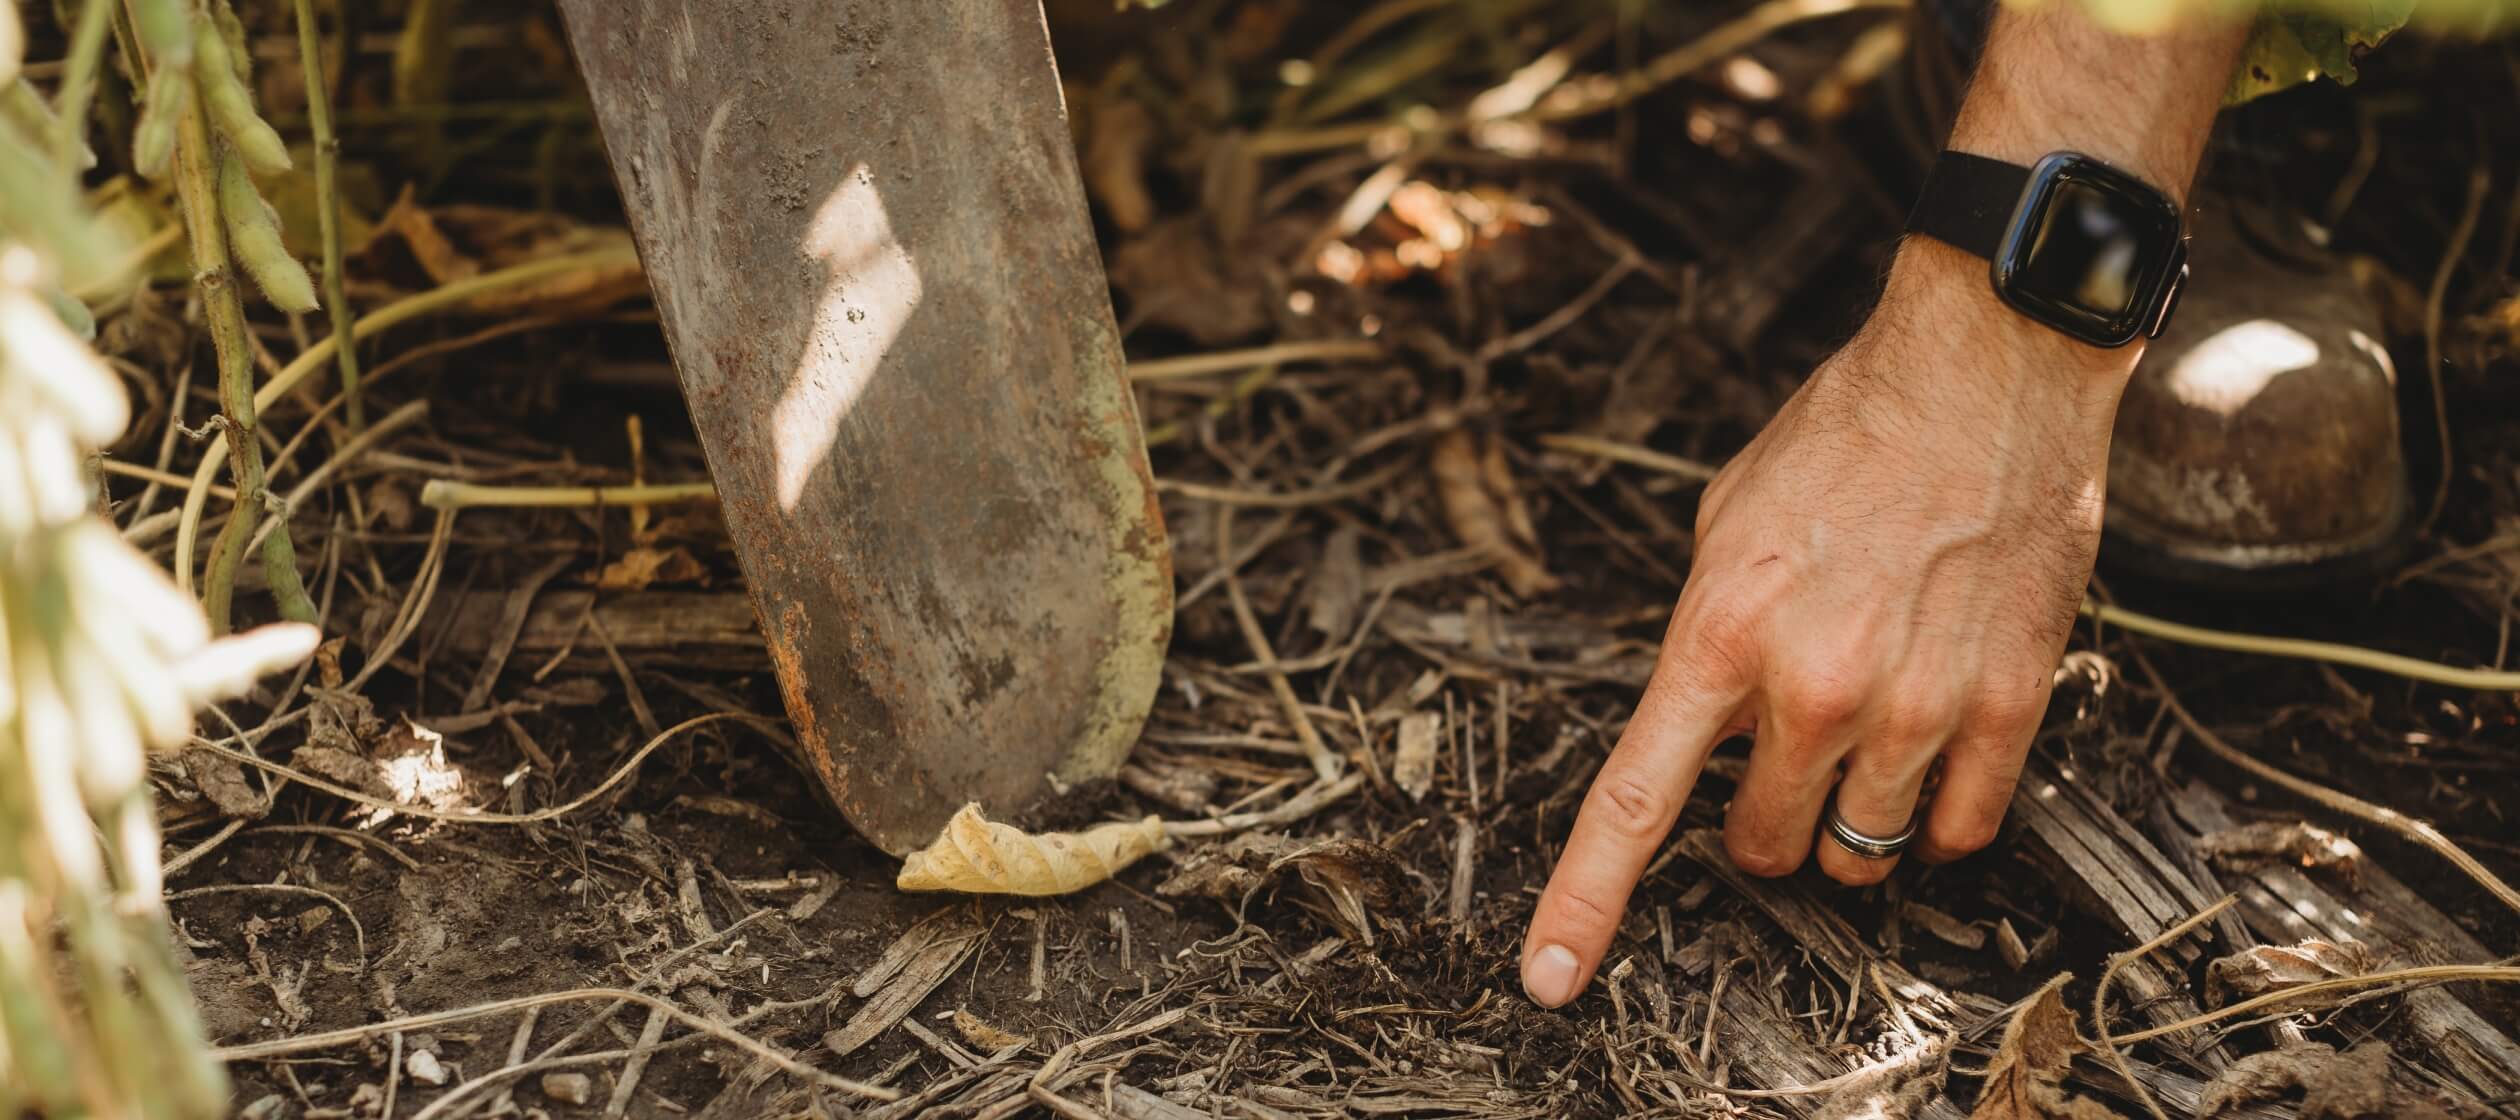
2296 41
2290 47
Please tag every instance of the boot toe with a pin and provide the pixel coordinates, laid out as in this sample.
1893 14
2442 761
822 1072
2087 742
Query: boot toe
2260 433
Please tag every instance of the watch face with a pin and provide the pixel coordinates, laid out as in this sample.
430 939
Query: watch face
2090 250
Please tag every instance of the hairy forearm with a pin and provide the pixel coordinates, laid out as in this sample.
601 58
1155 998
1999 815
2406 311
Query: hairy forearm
2051 79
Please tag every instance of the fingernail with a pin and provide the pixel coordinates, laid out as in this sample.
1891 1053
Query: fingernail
1549 976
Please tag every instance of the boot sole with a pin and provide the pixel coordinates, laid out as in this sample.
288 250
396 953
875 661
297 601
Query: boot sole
2256 570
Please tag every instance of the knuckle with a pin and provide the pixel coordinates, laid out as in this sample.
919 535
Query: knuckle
2007 709
1714 628
1826 696
1707 647
1968 833
1630 806
1585 915
1756 858
1711 500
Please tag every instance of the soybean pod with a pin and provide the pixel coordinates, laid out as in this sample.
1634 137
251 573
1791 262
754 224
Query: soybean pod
254 241
225 96
232 36
166 30
161 117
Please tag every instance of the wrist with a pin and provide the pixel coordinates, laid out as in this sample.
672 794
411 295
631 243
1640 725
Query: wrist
1940 307
1944 298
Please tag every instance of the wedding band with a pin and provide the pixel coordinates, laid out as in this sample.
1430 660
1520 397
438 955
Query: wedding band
1864 844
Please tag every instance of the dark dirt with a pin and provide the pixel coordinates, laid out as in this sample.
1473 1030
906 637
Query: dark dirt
1428 1019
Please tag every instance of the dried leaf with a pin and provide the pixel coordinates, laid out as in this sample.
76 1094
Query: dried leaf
1229 185
2350 1086
1484 511
2271 968
2357 1086
1115 161
456 242
2295 843
640 568
977 856
979 1033
1357 877
2262 1077
1497 473
223 783
2026 1079
346 767
1337 587
435 252
1413 769
584 291
1176 278
1228 870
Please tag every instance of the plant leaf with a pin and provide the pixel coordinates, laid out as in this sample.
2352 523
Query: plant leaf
2026 1079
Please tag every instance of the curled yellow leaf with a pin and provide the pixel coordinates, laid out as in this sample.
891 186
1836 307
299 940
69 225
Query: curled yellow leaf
976 855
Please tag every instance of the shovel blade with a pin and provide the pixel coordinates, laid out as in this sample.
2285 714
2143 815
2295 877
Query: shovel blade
863 223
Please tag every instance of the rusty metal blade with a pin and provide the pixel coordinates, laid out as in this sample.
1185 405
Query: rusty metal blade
869 246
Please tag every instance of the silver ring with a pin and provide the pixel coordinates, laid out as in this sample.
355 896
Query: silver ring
1863 844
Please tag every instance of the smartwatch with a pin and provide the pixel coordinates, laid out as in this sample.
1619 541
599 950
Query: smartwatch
2075 244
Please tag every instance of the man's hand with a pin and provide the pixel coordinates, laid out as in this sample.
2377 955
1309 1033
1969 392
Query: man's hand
1885 577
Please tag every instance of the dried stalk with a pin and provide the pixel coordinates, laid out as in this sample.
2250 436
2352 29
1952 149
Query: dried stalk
1324 763
441 493
2108 978
2309 994
328 208
302 1044
445 298
2481 680
2420 832
1229 361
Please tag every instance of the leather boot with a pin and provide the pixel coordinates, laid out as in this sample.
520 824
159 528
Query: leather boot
2257 445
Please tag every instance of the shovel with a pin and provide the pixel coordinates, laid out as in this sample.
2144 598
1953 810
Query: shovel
870 250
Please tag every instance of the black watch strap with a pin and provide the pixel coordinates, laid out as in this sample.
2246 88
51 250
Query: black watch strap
1968 200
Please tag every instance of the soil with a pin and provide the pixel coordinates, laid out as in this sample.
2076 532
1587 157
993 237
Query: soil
1289 1006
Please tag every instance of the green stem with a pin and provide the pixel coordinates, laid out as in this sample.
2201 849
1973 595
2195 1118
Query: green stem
78 81
224 306
328 208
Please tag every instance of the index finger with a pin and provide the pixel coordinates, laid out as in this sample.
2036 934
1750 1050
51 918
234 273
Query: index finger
1632 805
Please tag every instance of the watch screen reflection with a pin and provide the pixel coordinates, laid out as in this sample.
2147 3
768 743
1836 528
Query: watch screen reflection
2084 253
